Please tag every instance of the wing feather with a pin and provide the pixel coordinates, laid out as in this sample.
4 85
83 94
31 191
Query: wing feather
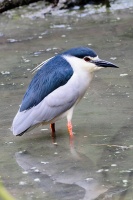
53 74
50 108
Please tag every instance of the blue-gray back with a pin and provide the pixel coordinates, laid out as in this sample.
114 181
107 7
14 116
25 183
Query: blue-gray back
55 73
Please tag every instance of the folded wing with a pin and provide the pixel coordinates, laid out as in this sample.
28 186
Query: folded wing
52 91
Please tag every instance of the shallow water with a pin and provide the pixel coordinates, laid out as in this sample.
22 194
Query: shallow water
98 165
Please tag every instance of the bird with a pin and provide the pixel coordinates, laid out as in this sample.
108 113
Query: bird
56 88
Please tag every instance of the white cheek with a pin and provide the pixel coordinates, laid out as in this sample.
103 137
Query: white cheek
90 67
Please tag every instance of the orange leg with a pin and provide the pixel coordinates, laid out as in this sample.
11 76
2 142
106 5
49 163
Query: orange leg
52 126
69 126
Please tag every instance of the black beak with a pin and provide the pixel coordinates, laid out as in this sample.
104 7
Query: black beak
104 63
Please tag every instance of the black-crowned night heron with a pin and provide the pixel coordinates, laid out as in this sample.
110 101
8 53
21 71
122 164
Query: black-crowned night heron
59 84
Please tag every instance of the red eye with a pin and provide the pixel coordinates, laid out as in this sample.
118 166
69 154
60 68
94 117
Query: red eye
87 59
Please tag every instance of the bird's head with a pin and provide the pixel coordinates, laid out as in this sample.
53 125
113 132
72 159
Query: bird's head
87 58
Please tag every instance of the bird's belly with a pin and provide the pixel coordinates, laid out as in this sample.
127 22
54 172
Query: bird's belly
59 117
82 86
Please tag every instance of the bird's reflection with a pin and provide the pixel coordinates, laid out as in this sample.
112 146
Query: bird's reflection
71 144
62 172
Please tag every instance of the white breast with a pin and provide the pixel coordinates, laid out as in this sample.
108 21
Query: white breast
82 73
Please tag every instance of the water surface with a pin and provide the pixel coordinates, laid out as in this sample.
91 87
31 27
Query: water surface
99 164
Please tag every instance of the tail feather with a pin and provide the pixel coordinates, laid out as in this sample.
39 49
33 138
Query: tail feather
22 123
27 130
